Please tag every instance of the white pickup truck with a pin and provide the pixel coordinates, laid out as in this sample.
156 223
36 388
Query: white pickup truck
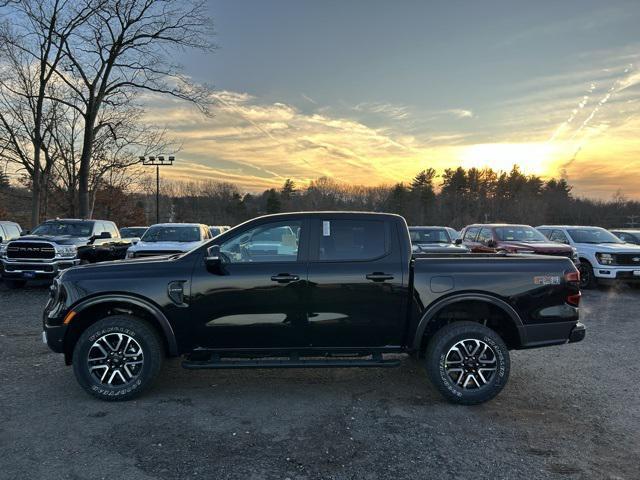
604 258
169 239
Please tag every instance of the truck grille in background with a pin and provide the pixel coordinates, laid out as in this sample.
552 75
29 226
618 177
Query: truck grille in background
155 253
628 259
30 250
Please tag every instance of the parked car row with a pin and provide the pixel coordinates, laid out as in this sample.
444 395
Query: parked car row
58 244
602 256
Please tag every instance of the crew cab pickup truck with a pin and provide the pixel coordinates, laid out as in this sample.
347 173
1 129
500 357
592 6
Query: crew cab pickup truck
604 258
329 289
55 245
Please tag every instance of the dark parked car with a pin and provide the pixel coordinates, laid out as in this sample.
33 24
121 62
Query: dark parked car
55 245
506 238
434 240
344 292
628 235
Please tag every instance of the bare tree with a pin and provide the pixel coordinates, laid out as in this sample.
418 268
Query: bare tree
121 137
127 46
30 53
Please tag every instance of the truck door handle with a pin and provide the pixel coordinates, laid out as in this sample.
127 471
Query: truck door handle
284 278
379 277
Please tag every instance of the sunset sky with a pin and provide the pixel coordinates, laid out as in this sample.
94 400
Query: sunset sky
372 92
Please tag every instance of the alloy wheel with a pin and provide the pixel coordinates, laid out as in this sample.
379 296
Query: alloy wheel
470 363
115 359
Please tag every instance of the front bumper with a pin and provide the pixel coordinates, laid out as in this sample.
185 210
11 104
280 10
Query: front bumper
33 270
615 273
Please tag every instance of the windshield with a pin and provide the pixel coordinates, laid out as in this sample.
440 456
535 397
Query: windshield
72 229
172 234
429 235
520 234
592 235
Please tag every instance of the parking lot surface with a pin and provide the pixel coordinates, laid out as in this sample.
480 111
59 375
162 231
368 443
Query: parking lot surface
571 411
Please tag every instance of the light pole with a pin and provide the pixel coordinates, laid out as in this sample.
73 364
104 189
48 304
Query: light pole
158 162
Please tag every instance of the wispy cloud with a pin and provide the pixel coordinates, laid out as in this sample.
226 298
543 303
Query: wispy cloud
459 112
396 112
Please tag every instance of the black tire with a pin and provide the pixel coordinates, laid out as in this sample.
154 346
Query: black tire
14 284
441 345
146 340
587 279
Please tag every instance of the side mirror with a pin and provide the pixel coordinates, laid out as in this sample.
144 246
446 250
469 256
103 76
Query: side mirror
491 244
213 260
24 232
134 240
105 235
1 239
458 241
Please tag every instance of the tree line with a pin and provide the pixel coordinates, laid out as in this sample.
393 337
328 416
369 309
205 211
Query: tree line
456 197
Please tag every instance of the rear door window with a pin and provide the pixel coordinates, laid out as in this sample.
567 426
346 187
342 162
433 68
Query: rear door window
357 240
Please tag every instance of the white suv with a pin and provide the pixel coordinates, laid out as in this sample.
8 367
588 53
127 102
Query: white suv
604 258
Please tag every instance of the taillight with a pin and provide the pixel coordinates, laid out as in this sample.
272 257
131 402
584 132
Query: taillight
574 299
572 277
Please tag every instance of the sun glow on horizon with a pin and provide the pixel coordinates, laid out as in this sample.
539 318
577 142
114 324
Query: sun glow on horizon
531 158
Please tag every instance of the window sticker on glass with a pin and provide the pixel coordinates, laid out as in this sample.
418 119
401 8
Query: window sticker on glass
326 228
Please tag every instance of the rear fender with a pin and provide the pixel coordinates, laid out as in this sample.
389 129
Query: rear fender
432 311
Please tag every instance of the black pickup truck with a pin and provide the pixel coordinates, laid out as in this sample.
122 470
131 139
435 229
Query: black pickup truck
321 289
55 245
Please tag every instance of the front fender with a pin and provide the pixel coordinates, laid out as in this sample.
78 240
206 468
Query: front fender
149 307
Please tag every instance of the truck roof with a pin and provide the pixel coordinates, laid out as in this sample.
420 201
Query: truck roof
568 226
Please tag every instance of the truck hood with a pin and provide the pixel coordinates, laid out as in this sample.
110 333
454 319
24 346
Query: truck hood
538 247
153 246
57 239
610 247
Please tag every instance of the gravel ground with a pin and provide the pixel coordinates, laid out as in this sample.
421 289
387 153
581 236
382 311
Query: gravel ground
571 411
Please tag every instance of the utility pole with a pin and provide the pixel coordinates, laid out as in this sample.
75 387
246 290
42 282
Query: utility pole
157 162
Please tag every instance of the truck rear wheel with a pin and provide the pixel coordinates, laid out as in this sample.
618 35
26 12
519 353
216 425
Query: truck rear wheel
117 358
467 362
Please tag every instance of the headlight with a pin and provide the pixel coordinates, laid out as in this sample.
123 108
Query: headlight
3 250
605 258
66 250
130 254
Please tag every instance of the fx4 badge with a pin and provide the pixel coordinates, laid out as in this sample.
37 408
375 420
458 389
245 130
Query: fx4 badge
547 280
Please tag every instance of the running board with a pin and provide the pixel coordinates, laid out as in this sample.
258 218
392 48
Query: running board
292 362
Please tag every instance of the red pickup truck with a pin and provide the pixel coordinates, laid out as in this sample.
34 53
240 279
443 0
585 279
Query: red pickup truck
502 237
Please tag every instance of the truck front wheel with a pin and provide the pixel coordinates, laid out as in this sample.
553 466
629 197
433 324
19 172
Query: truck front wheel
467 362
117 357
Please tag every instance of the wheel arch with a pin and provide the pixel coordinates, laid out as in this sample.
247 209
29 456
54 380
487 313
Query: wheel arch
89 311
511 329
